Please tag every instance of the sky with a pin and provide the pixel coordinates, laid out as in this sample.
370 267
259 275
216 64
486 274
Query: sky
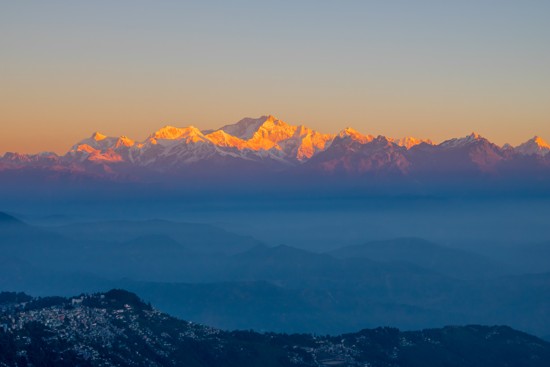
431 69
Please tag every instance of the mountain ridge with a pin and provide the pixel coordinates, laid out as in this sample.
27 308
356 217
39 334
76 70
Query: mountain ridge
270 144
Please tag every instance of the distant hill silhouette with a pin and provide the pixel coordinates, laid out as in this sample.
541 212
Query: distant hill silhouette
429 255
9 219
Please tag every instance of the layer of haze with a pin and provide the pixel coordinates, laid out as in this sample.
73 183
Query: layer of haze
433 69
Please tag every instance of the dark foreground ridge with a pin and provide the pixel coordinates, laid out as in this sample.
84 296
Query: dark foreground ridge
117 329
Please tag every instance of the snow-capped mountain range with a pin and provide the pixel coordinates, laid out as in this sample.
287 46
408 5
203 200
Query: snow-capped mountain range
272 144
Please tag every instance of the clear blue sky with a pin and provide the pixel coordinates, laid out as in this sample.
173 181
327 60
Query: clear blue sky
434 69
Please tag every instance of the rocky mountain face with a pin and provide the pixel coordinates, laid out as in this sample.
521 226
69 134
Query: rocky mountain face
117 329
267 144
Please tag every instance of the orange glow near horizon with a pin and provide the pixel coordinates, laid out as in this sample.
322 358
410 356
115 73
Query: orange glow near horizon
424 70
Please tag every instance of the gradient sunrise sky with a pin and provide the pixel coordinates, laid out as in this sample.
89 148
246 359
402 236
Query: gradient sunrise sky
432 69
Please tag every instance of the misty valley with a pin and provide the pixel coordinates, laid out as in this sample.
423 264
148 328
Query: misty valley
301 279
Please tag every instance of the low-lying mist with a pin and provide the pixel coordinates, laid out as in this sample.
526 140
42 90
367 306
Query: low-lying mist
292 263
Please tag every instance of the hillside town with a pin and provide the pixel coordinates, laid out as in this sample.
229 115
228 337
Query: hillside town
118 329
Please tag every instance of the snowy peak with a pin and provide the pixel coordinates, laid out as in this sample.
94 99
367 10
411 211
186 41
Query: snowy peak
350 133
124 141
97 141
168 132
309 142
189 134
461 142
474 136
222 139
540 142
86 149
262 133
245 128
271 142
296 142
408 142
269 133
534 146
95 154
98 136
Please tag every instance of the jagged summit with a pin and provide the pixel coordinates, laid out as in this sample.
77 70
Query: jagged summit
353 134
271 134
97 141
223 139
169 132
534 146
459 142
271 143
540 141
245 128
124 141
408 142
97 136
